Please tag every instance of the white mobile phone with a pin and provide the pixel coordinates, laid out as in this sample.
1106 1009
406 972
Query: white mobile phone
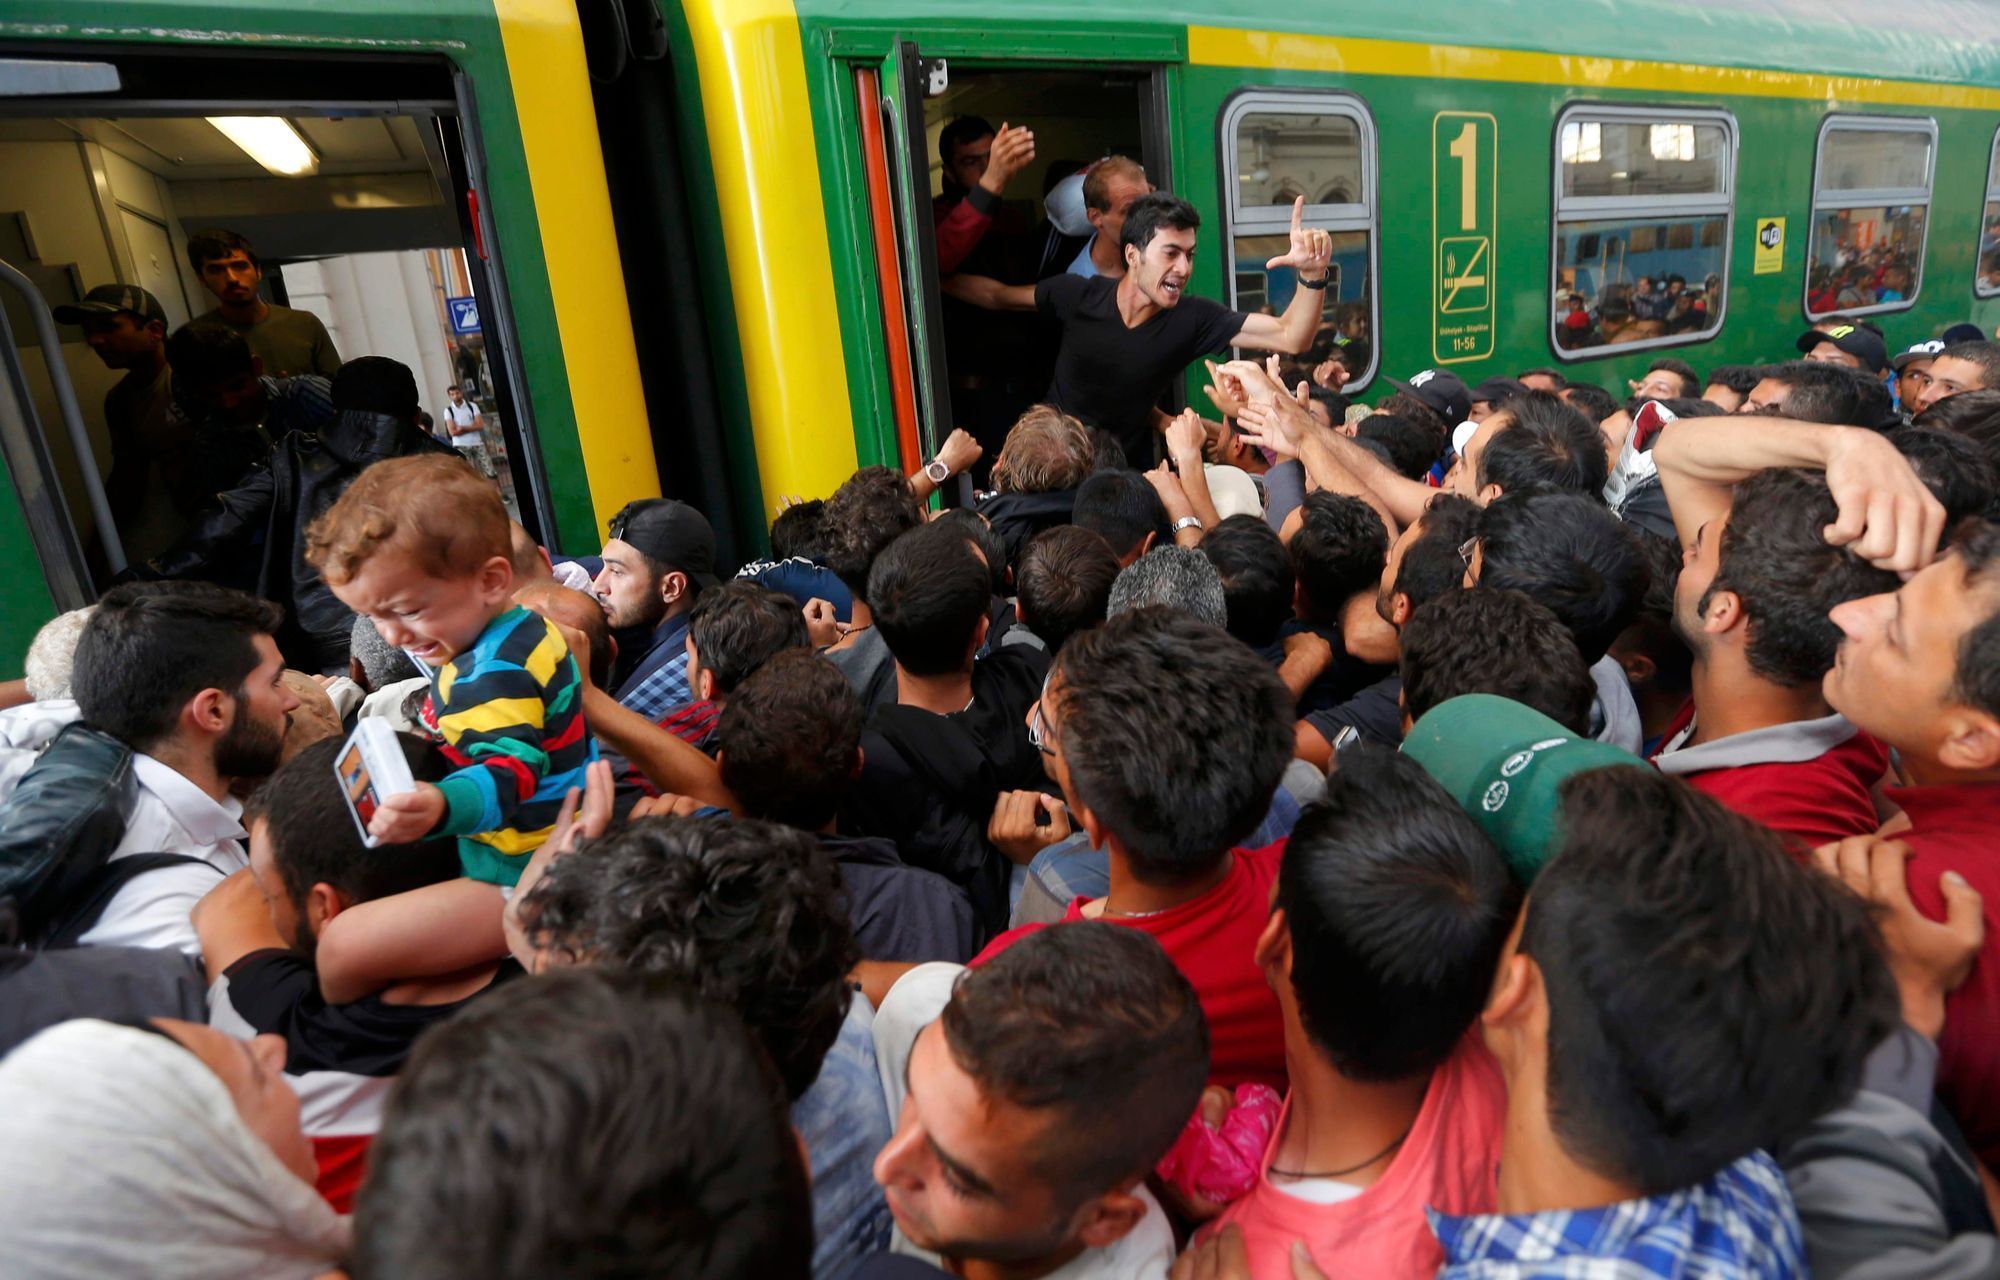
371 768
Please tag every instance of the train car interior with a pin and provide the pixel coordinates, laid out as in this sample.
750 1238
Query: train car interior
353 197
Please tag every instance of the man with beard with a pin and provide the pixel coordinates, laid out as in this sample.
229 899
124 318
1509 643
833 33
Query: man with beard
660 555
1125 339
287 342
260 929
188 676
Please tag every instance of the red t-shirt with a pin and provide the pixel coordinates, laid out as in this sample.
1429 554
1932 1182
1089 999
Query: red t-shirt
1957 828
1819 800
1213 940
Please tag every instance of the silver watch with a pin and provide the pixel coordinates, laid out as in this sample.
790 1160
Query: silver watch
937 471
1187 522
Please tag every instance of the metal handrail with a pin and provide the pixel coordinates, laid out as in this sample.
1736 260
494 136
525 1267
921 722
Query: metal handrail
72 416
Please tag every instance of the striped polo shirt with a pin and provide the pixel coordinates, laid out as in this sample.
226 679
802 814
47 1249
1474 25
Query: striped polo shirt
510 710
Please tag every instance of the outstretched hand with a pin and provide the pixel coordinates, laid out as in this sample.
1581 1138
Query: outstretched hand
1312 249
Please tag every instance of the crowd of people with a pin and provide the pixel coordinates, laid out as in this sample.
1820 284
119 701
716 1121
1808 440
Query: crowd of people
1510 830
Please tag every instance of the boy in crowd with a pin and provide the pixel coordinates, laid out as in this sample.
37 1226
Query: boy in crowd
748 915
791 749
1391 911
733 629
1665 920
1569 554
259 931
420 546
1919 669
608 1108
1756 584
934 761
1064 587
1032 1097
870 510
1167 738
1423 564
1483 640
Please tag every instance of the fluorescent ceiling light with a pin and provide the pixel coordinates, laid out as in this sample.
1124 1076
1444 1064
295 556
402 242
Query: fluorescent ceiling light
270 141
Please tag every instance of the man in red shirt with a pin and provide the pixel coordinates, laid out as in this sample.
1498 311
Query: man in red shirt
1919 668
1757 581
1167 738
977 166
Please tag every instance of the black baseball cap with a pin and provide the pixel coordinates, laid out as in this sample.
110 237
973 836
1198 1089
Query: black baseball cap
671 532
1854 339
109 300
1497 388
1442 390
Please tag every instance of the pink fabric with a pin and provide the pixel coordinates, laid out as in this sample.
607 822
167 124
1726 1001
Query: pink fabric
1220 1165
1448 1163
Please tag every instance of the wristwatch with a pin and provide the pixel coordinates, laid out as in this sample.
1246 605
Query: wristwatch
1187 522
937 471
1315 284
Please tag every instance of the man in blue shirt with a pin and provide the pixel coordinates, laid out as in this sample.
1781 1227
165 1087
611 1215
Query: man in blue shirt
660 555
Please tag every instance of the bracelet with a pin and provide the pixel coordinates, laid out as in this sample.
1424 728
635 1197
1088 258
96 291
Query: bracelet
1315 284
1187 522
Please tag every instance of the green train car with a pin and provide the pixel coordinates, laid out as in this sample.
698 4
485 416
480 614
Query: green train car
699 235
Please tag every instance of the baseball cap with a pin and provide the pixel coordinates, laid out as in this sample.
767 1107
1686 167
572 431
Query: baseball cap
1497 388
1963 331
1461 435
1854 339
1505 764
1232 491
1441 390
1919 351
109 300
671 532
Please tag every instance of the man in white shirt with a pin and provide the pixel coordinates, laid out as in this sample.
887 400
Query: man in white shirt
188 676
1031 1097
467 428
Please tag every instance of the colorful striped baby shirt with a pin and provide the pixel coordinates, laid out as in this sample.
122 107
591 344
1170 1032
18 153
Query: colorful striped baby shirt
510 710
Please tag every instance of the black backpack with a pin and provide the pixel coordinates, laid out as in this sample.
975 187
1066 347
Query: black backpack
57 834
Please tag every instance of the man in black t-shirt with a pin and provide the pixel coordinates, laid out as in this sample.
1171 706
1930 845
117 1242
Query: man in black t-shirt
1125 340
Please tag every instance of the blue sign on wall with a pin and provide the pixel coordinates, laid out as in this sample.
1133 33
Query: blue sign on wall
464 314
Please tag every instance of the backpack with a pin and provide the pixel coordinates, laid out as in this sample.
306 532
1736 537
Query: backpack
57 834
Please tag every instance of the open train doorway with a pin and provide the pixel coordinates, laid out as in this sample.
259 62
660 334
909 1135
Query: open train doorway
1002 178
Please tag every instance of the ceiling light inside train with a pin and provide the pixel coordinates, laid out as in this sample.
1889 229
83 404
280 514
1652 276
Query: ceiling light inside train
271 141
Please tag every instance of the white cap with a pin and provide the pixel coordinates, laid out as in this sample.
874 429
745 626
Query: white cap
1232 490
1461 435
1064 205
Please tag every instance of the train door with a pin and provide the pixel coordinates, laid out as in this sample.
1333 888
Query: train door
354 179
954 363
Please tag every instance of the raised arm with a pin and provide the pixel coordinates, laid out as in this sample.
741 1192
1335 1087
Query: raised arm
1333 461
987 293
1292 332
1886 514
958 452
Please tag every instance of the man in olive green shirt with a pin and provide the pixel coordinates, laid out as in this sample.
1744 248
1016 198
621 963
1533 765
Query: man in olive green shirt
287 342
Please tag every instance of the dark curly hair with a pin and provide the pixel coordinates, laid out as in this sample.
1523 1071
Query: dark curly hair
871 510
789 737
747 913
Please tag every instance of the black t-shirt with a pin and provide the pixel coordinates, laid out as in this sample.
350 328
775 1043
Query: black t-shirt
1110 376
1376 713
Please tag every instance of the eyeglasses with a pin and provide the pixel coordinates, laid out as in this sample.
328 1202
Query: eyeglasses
1038 726
1465 550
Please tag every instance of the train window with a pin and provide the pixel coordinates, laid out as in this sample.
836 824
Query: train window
1642 218
1871 208
1276 147
1987 283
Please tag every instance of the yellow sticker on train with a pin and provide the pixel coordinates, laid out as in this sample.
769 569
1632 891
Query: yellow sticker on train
1770 255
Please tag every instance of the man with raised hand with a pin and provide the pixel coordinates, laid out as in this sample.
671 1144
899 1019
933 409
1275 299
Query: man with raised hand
1124 340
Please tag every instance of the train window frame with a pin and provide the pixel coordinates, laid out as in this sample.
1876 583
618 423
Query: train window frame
1868 197
1363 215
1571 209
1991 200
